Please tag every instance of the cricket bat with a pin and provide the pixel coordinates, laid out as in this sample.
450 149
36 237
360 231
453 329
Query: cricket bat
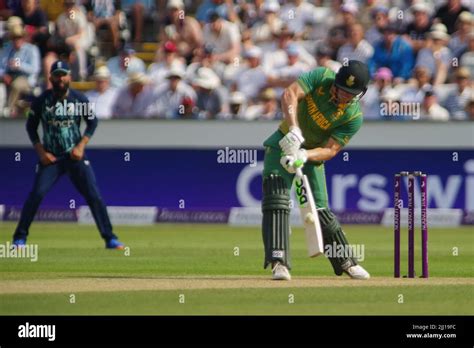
309 215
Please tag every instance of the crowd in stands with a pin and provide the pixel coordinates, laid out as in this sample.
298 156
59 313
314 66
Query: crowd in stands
232 59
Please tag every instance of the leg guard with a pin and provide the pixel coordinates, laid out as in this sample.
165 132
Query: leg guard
276 223
334 236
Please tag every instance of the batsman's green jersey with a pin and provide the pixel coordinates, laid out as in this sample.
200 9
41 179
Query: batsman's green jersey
319 119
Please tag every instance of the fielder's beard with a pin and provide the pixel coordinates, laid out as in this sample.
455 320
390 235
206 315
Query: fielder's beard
60 88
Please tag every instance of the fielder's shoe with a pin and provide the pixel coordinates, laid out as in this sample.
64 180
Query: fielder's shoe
280 272
357 272
114 244
19 243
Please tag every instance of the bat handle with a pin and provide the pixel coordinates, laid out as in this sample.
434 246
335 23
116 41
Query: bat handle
299 171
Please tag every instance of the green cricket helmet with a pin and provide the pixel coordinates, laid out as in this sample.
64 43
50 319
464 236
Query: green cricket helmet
353 77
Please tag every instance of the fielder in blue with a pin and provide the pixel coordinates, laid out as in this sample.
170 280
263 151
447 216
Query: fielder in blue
60 111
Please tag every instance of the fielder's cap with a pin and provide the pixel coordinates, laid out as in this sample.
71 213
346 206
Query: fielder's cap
102 73
170 47
253 52
292 50
175 4
206 78
353 77
463 73
383 74
175 71
60 67
237 98
271 6
137 77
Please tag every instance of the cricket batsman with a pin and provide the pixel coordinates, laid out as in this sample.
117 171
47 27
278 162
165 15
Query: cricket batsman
60 111
321 114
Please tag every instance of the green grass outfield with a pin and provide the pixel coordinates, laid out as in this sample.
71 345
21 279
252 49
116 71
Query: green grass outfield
194 269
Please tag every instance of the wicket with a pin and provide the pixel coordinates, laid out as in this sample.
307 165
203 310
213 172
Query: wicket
398 204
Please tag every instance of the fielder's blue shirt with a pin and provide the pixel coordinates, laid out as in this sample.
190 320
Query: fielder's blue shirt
60 120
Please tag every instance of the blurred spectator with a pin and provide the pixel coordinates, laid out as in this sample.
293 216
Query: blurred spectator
184 31
448 14
276 55
103 96
394 53
166 58
52 8
221 7
237 105
459 40
298 15
417 31
430 109
224 36
415 92
365 16
205 58
124 64
72 27
189 109
457 101
20 64
470 109
323 58
134 99
467 58
138 10
338 35
390 105
380 18
262 31
36 23
251 79
104 13
266 108
371 101
436 56
282 76
169 95
211 98
356 48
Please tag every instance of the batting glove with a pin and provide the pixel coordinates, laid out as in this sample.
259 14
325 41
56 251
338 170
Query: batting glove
292 162
292 141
